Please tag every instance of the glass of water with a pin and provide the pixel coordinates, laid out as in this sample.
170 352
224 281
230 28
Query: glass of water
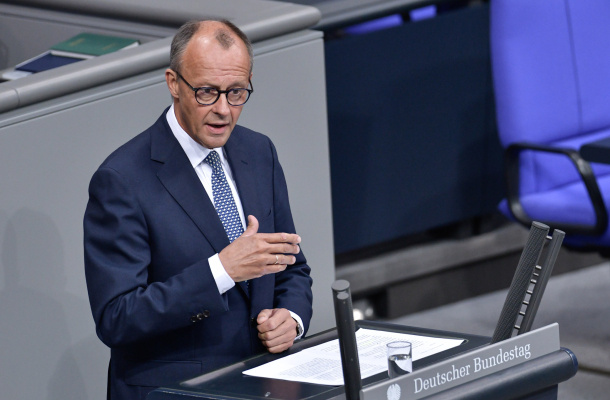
399 359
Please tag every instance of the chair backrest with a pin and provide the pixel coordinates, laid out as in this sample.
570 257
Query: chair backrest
551 71
551 68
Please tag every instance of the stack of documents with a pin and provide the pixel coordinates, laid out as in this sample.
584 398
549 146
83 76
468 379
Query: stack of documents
80 47
321 364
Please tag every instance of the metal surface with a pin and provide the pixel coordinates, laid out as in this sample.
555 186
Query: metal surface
470 366
534 380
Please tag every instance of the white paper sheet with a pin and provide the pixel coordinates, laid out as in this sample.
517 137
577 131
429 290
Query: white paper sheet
321 364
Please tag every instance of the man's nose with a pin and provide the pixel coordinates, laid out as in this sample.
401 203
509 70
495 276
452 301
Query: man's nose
222 106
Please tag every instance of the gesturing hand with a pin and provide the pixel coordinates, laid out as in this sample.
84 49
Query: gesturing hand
276 329
253 254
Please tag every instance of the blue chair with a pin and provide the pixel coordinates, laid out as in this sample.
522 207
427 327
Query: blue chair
551 71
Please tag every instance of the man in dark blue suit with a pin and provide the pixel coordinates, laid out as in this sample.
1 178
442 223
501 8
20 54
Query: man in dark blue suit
178 285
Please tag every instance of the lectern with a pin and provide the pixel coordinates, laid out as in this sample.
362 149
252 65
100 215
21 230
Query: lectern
230 383
528 366
535 378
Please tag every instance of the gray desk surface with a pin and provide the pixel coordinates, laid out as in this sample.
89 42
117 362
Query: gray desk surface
259 19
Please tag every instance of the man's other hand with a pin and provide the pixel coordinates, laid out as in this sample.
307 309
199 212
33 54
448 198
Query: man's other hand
276 329
253 254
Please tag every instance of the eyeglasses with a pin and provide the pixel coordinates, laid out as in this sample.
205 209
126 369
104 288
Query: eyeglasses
206 96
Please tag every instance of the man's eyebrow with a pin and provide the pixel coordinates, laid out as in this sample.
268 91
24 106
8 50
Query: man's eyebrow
232 86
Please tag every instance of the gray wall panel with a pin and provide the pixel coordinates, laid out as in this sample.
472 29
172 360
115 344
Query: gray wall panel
48 153
49 347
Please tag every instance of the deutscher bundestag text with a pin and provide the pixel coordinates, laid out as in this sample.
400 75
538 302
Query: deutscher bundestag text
476 366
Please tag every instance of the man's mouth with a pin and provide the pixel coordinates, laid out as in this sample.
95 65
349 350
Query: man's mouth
217 128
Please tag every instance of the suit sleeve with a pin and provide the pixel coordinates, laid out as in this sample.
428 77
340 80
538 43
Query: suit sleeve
126 306
293 285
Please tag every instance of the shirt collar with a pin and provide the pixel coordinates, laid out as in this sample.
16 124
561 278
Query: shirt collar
195 152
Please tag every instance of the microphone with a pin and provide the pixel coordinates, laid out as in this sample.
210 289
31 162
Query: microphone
344 316
521 280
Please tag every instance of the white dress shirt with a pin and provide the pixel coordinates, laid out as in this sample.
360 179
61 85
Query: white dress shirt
196 153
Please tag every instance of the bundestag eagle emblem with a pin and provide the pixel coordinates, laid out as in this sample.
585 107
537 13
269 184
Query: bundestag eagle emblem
394 392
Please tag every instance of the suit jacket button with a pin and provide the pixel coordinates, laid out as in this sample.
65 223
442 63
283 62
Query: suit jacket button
206 313
200 316
253 321
193 319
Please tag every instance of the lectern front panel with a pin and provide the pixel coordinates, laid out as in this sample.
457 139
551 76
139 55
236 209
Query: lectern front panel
231 383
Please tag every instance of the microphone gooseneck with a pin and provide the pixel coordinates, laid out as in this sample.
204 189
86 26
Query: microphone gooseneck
344 316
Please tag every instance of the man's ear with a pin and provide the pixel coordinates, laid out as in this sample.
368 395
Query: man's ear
172 82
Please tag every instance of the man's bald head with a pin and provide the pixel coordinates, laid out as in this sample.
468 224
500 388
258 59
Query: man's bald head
224 38
225 34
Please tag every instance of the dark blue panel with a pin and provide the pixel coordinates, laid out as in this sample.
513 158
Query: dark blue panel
412 139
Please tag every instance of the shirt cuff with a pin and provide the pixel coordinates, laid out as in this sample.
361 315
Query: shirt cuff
223 280
299 322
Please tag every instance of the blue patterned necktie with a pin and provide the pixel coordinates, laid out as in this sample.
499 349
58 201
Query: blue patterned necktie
223 198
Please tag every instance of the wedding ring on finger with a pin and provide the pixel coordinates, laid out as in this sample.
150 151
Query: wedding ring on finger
277 260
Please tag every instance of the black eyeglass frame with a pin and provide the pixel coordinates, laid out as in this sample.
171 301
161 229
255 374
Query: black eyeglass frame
226 92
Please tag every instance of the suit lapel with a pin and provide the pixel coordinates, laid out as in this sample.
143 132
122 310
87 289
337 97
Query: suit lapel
241 168
181 181
244 175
